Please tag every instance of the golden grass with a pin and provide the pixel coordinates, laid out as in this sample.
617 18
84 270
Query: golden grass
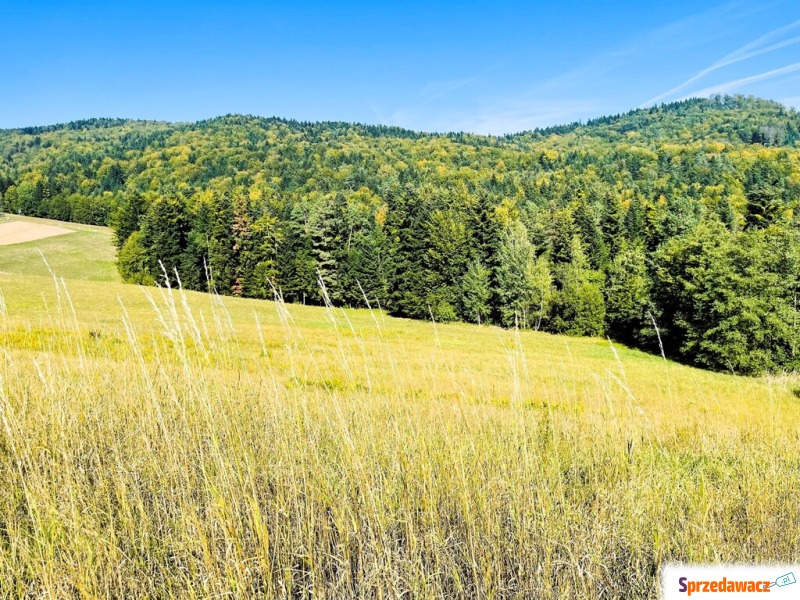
185 446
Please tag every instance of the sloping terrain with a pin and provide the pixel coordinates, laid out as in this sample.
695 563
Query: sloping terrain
166 444
87 253
17 232
686 215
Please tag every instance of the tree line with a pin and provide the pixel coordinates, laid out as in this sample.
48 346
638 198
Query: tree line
673 228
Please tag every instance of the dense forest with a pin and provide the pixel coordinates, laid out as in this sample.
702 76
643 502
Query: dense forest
673 228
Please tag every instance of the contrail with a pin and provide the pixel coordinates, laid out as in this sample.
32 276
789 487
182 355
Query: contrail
730 85
747 51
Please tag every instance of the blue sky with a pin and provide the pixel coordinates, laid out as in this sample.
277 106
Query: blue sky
433 66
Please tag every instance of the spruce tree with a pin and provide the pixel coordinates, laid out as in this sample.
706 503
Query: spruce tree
627 297
476 293
165 230
578 305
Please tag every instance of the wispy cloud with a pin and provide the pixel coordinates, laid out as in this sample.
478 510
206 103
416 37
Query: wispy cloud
748 51
590 87
521 115
729 86
793 101
668 38
433 90
409 116
563 97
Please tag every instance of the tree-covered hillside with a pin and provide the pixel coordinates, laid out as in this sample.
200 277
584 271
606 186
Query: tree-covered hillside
676 225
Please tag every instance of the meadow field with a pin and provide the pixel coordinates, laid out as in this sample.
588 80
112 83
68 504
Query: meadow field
86 253
156 443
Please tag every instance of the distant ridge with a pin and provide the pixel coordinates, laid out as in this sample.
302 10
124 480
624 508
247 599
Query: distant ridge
686 213
657 122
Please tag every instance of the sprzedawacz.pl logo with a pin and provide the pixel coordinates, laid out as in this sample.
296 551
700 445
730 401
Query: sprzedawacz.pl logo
735 581
689 587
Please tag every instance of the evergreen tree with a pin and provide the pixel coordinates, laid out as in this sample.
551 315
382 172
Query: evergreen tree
221 254
327 241
764 192
562 232
578 305
133 261
296 264
627 297
127 217
727 214
635 223
588 228
476 293
258 257
165 229
448 253
406 226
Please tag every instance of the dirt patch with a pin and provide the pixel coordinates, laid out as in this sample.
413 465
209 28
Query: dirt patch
17 232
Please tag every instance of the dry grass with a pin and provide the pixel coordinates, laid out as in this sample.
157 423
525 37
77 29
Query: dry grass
87 253
191 448
18 232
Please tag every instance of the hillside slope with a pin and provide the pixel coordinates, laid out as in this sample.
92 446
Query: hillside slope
85 254
678 222
160 444
728 119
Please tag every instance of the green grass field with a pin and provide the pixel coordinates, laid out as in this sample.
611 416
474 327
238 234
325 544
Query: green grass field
170 445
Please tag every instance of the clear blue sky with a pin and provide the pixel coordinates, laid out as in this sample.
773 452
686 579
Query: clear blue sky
434 66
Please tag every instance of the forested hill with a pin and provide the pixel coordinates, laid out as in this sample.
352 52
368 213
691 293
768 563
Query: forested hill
682 216
730 119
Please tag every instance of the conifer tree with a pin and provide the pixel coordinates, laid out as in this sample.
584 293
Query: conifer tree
627 296
476 293
327 240
165 229
221 255
578 305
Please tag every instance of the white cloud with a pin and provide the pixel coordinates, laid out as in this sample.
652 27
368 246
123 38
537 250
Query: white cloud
433 90
587 89
749 50
554 101
738 84
521 114
793 101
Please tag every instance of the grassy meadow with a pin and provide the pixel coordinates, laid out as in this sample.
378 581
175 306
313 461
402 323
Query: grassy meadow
86 253
161 444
